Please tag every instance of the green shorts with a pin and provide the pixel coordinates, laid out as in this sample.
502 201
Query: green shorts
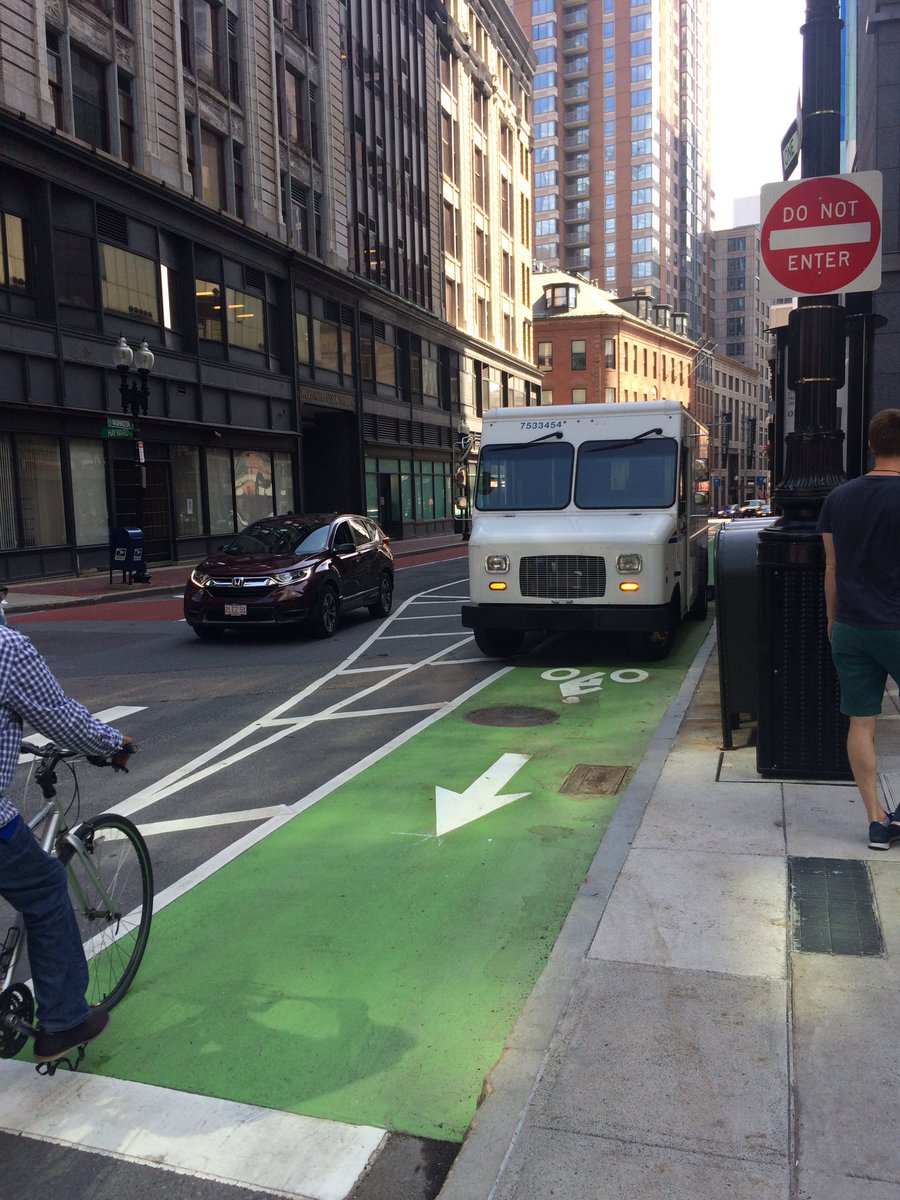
863 659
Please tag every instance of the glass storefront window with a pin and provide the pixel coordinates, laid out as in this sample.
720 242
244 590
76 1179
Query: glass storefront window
186 486
128 284
246 320
209 310
7 495
284 483
252 486
88 466
220 491
40 472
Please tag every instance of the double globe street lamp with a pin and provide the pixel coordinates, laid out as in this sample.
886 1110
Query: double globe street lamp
135 394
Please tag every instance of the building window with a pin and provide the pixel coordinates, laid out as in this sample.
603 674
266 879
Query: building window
89 110
579 355
609 353
545 355
55 79
126 119
294 94
88 472
579 395
610 395
210 327
128 284
13 255
246 320
35 491
73 267
212 169
207 56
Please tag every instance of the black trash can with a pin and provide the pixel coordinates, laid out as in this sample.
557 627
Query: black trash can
737 624
126 554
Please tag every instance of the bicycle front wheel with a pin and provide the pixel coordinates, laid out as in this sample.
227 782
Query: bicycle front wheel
111 888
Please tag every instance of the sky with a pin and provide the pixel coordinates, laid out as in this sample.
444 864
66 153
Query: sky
757 53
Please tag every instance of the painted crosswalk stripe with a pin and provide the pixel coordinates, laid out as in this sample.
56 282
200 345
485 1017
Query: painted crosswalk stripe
296 1156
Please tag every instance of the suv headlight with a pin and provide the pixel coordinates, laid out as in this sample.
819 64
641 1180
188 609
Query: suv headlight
287 577
629 564
497 564
198 579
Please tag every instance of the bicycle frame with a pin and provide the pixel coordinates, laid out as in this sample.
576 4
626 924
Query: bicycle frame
51 814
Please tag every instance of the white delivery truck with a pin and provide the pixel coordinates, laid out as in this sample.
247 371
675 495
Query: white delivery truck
588 517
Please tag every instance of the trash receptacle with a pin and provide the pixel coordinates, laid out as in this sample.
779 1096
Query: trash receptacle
126 554
737 622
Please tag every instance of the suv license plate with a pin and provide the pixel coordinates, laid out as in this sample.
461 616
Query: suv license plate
235 610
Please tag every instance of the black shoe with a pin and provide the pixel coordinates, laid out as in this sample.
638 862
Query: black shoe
50 1046
882 837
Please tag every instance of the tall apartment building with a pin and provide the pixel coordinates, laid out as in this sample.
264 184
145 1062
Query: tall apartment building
740 314
255 189
621 159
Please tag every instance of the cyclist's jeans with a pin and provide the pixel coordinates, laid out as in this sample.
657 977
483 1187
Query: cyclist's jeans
35 884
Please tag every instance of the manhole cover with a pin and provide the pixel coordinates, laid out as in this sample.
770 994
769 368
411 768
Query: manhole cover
512 715
588 780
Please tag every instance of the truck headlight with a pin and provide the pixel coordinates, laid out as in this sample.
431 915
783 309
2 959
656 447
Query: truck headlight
497 564
629 564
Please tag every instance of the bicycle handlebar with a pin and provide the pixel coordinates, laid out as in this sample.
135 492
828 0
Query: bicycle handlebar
50 755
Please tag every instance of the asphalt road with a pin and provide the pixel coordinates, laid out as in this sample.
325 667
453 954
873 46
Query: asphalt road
363 965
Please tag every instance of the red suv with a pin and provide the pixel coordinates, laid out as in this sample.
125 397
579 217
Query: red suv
286 570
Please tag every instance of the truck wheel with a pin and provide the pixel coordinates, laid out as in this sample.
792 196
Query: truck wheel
657 644
499 643
700 607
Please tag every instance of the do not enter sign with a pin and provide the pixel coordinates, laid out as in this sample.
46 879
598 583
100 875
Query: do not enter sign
821 235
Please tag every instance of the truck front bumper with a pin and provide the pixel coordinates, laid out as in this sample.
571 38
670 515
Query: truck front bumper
618 618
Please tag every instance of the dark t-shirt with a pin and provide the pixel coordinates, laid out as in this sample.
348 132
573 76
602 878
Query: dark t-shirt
863 516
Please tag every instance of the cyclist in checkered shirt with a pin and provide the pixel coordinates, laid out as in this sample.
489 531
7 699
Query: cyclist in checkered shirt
32 881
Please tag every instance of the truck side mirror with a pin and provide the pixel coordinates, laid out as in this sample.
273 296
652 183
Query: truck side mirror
701 470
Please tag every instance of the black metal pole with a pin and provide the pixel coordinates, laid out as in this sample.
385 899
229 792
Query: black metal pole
801 732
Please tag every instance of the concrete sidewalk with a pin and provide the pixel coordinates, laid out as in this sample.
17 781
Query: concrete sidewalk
680 1045
94 587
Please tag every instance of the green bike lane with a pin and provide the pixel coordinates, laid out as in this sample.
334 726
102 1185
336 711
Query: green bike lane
356 966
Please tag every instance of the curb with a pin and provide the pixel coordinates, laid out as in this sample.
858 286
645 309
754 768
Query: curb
162 589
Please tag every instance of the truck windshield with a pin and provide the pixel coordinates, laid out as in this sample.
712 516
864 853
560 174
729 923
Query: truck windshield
637 475
538 475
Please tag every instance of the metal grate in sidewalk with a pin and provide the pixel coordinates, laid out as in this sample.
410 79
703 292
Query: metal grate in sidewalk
833 907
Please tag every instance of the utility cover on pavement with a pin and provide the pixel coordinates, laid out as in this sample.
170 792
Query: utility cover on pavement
833 907
587 780
512 716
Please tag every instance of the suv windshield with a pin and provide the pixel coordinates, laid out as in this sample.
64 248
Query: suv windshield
636 475
521 477
280 539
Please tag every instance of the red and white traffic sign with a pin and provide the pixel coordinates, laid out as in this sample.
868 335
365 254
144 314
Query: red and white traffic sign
821 235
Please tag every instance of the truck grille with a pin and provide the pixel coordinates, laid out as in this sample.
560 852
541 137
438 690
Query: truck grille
563 576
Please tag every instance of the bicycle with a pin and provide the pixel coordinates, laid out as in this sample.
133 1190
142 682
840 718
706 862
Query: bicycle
111 888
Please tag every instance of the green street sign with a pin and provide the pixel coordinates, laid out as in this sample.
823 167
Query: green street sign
117 427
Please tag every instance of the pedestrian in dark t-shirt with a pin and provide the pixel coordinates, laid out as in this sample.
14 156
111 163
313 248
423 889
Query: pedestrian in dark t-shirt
860 528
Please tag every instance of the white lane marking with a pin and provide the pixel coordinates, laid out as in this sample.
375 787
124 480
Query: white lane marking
402 637
197 768
436 617
208 868
107 715
384 712
455 809
234 1144
377 670
182 824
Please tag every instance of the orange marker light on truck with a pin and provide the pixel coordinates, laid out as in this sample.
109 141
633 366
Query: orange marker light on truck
497 585
629 586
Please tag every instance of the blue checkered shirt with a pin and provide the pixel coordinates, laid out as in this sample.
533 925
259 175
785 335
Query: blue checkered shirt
29 692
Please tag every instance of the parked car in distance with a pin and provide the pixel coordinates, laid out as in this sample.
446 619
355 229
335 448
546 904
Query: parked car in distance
730 511
292 570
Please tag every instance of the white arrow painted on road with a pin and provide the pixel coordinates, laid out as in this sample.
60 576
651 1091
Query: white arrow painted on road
455 809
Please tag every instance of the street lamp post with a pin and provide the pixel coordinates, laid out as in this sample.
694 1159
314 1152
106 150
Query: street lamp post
135 394
464 445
